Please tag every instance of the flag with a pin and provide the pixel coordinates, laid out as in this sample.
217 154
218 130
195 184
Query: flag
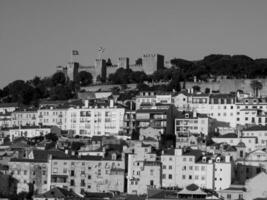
75 52
101 49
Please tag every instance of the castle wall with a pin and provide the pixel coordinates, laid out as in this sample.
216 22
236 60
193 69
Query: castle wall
230 85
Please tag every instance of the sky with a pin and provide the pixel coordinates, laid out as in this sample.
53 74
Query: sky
36 36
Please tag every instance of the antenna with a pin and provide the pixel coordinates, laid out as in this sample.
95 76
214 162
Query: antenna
100 52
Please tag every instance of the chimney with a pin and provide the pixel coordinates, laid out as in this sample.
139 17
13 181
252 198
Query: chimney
194 114
86 103
111 103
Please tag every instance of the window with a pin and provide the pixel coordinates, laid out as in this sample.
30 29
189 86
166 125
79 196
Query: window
202 168
170 167
163 176
151 182
55 170
184 159
196 177
151 172
228 196
82 183
183 176
190 167
64 170
72 182
190 177
72 173
170 176
164 166
196 168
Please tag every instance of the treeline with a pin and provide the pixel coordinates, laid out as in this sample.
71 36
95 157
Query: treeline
56 87
236 66
173 76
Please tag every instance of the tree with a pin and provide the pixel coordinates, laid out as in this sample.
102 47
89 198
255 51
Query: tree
61 92
19 91
256 86
58 79
196 88
85 78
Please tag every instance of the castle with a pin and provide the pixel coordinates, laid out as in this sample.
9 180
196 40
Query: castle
101 71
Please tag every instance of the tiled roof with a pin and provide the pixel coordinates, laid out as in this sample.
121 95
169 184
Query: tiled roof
228 135
6 105
59 193
256 128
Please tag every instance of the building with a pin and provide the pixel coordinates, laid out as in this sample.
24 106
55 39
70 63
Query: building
251 143
159 116
153 97
28 131
88 173
8 107
223 108
233 192
142 162
192 123
53 115
32 171
254 187
57 193
24 117
260 132
96 119
182 167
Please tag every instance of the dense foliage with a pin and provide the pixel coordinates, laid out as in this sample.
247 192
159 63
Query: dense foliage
236 66
58 87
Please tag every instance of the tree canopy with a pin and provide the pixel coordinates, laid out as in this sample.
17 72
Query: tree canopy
85 78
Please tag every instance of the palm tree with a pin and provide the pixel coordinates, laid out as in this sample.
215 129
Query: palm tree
256 86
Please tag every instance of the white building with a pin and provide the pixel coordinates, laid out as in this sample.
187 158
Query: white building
233 140
152 97
183 167
100 119
25 117
144 171
28 131
53 116
223 108
192 122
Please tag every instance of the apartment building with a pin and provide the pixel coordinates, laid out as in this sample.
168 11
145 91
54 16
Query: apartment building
8 107
251 143
182 167
251 110
28 131
25 117
222 108
260 132
88 173
32 172
144 170
192 123
199 102
153 97
5 120
54 115
96 120
158 116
